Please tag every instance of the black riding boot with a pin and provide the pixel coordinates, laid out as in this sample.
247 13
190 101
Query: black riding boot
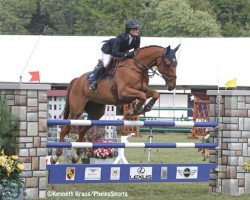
98 75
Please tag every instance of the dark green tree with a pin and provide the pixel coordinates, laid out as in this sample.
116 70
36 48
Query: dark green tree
39 20
234 16
60 16
176 18
15 15
105 17
9 126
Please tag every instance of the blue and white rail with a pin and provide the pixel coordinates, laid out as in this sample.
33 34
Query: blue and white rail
130 145
178 124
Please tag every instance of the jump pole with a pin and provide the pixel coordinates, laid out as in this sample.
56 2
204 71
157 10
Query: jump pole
130 145
188 124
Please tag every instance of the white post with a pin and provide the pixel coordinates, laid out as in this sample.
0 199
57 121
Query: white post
120 159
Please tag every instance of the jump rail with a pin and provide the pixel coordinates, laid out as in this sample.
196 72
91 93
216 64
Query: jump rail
188 124
129 145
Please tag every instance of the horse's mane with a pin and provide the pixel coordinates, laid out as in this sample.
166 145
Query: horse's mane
146 47
150 46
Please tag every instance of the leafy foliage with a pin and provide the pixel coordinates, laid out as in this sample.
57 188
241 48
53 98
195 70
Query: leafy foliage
9 126
177 18
10 181
15 15
234 16
188 18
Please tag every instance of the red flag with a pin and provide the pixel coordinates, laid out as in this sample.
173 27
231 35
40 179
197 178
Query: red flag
35 76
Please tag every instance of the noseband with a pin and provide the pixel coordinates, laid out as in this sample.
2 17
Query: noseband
168 78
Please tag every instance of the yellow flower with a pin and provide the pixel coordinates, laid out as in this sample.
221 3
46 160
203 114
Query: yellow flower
8 169
2 160
14 157
20 166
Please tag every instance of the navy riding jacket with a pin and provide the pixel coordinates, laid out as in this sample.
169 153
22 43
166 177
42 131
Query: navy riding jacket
118 46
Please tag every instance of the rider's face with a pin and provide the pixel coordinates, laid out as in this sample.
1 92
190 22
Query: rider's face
134 31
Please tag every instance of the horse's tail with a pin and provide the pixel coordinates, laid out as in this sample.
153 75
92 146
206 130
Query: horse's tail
67 106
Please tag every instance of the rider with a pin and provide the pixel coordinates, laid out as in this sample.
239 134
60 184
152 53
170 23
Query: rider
118 47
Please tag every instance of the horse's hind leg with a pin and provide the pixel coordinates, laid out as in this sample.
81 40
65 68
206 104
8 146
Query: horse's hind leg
64 131
95 111
55 157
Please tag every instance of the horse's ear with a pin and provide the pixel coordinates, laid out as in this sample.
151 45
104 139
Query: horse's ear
167 50
176 48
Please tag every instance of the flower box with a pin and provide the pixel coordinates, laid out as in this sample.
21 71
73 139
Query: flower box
99 153
101 161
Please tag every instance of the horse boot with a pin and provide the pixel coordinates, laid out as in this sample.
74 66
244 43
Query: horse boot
99 73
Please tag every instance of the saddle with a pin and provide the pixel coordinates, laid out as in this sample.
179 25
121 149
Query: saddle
114 64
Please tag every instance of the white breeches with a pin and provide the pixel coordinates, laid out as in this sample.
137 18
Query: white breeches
106 58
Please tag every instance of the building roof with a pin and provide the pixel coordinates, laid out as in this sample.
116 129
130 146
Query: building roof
57 93
59 59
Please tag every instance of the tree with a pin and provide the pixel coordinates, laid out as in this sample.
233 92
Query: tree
234 16
9 126
15 15
176 18
60 16
38 21
105 17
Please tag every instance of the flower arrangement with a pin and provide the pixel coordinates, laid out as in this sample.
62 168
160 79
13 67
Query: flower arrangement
10 181
100 153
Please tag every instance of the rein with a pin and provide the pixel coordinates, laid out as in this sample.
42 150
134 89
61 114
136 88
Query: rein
144 70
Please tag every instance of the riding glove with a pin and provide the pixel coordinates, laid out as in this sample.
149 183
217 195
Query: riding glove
129 54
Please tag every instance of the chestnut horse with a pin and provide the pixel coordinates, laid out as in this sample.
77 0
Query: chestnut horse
129 82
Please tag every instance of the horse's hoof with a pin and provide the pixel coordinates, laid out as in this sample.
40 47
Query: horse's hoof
53 159
74 159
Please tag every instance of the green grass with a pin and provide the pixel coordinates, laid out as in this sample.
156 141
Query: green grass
151 191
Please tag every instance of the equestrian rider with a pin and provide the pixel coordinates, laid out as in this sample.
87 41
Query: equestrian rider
118 47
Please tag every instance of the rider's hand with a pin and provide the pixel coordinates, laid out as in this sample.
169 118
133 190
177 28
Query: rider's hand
129 54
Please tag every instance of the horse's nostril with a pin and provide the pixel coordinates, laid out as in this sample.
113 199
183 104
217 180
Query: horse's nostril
170 87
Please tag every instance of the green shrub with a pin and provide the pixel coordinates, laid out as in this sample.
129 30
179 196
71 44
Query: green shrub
9 127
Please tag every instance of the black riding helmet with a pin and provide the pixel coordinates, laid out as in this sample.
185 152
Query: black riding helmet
132 23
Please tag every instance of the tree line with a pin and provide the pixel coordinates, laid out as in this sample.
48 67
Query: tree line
159 18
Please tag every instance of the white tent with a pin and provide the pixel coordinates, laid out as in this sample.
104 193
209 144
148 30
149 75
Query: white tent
202 61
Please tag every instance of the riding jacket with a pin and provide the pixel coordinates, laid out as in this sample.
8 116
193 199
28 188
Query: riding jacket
118 46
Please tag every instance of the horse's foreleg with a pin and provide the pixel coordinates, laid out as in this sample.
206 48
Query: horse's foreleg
150 93
130 92
55 157
79 151
95 111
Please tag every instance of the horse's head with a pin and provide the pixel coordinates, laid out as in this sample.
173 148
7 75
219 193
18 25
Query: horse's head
167 67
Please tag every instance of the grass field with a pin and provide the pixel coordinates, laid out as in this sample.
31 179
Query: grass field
147 191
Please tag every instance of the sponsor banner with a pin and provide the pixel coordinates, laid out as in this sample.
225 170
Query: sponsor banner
115 173
187 172
70 173
164 172
140 173
92 173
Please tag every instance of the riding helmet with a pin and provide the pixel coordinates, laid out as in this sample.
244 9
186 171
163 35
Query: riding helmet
132 23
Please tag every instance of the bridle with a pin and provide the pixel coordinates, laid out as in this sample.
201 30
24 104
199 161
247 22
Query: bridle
144 69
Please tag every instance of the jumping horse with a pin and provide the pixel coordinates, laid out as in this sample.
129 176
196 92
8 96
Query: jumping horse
129 82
